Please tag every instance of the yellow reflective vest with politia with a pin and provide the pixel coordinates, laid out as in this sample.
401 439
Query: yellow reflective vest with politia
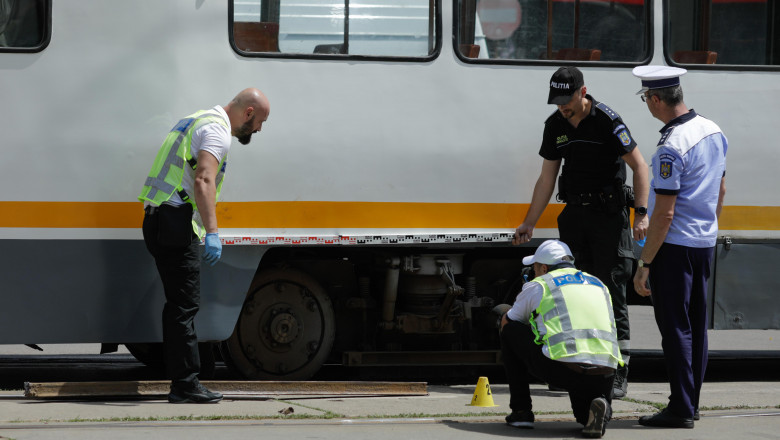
167 172
576 310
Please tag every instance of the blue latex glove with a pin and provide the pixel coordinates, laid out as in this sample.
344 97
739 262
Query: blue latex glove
213 248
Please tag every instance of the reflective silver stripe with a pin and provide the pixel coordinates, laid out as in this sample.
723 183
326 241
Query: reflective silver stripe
562 312
158 184
582 334
569 335
173 159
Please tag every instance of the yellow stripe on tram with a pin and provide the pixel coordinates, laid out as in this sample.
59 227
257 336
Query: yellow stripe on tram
260 215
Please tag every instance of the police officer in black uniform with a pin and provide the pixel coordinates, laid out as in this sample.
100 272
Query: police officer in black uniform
594 145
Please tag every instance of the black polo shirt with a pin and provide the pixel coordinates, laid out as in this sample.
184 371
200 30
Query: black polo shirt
591 152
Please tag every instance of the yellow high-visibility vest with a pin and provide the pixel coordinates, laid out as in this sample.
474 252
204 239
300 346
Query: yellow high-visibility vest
576 309
167 173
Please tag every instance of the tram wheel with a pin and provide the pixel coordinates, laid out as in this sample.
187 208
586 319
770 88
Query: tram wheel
286 328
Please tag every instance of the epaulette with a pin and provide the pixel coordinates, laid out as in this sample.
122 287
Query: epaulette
605 108
666 135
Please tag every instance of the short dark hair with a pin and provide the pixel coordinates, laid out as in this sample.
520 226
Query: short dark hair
567 262
670 96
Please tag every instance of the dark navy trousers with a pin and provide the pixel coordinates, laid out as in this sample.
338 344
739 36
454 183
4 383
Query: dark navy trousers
678 282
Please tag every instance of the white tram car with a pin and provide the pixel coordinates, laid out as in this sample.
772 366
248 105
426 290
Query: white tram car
369 223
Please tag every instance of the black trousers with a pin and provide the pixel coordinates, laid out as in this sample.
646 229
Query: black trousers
177 255
602 244
523 359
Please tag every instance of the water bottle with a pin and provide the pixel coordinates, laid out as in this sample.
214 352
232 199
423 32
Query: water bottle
638 245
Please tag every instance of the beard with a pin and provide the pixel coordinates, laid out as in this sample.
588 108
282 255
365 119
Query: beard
244 132
244 139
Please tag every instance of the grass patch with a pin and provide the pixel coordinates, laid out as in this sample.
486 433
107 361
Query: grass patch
191 418
656 405
725 408
328 415
661 406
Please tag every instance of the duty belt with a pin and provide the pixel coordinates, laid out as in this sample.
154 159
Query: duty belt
596 199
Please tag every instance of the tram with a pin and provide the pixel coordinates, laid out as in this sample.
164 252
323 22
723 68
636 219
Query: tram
370 222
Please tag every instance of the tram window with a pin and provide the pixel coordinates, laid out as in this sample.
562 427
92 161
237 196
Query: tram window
736 32
373 28
583 30
24 25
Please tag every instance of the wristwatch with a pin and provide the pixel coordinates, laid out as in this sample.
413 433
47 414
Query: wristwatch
641 263
641 210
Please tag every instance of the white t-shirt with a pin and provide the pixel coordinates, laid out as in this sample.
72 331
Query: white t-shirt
526 302
213 138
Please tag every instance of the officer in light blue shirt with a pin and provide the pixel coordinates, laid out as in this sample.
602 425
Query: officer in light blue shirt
691 152
686 196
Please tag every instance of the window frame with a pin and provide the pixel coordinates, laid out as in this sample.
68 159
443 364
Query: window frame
47 22
667 52
345 57
529 62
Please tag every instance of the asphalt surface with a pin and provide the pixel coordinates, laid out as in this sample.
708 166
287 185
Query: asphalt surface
740 410
743 403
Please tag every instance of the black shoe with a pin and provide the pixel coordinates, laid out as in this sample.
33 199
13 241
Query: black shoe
620 386
597 418
666 419
521 419
197 394
696 415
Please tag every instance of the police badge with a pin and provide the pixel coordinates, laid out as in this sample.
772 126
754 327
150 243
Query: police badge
624 138
665 171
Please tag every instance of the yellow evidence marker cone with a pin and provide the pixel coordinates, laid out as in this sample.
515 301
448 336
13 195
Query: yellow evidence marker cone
482 394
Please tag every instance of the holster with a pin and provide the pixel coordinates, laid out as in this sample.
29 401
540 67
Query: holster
629 196
561 197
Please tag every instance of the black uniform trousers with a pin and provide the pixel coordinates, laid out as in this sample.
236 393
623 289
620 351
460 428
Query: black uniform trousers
524 359
176 250
602 244
678 283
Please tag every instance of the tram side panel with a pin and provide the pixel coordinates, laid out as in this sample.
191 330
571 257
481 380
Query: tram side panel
413 133
75 267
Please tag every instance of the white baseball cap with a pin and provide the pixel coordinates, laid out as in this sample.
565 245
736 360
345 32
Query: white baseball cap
551 252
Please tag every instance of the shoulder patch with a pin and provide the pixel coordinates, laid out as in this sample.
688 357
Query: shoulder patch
665 161
609 112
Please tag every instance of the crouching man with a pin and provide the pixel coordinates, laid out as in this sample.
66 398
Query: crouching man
561 330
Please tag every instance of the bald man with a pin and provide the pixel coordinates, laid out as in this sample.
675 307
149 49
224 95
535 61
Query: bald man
180 197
